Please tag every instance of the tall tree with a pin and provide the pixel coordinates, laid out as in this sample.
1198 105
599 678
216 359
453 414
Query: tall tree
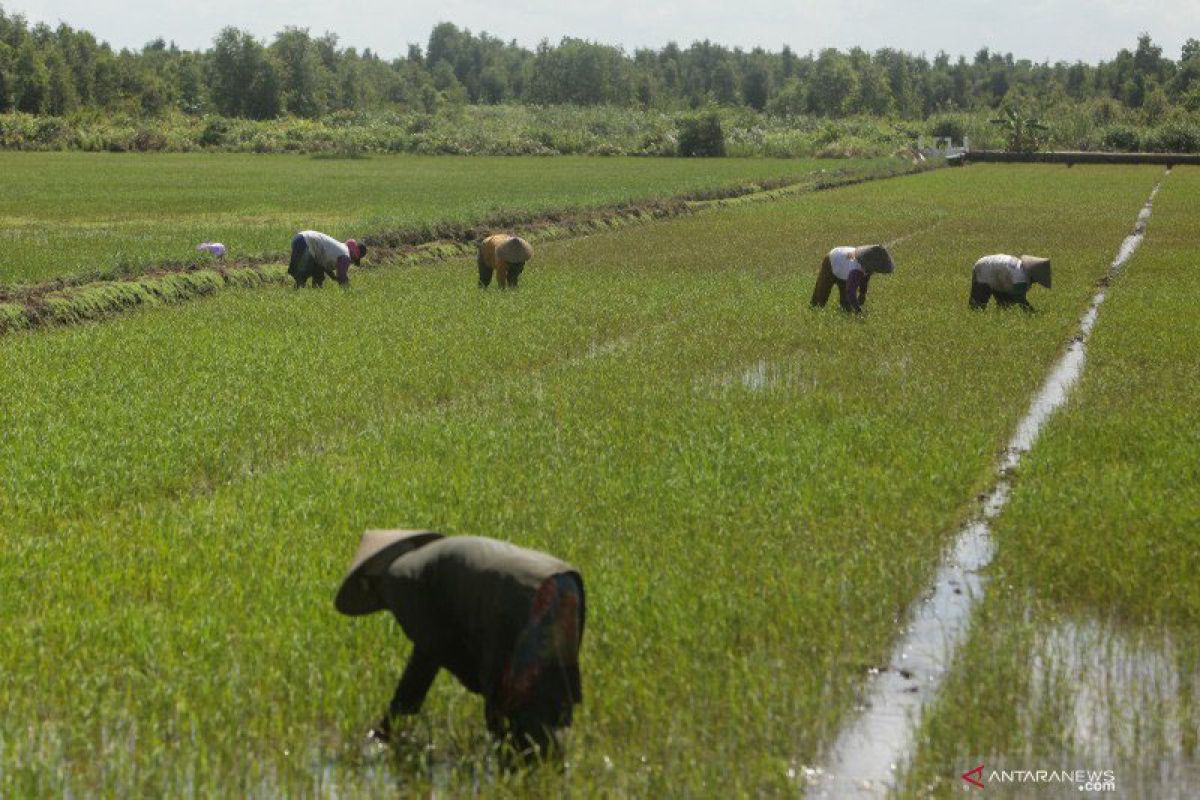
756 82
61 97
305 82
31 80
245 79
833 85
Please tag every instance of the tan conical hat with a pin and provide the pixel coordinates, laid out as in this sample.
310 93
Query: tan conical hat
354 596
874 258
515 250
1037 268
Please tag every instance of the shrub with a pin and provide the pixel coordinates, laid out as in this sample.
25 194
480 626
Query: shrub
1022 133
951 128
1174 137
49 130
214 132
1121 138
147 140
701 135
658 143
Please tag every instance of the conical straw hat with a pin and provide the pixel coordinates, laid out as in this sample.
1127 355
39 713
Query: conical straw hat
874 258
354 596
515 251
1038 269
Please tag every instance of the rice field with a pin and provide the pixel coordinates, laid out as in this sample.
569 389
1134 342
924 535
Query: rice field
1087 656
87 216
755 491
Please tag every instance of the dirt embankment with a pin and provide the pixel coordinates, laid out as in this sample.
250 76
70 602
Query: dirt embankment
69 300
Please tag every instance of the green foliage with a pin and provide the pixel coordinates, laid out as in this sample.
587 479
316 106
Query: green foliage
833 86
1179 136
246 80
308 77
31 80
790 101
306 85
214 132
948 127
1022 133
1122 138
452 130
701 135
580 73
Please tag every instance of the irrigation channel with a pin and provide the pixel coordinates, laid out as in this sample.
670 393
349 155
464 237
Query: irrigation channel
872 747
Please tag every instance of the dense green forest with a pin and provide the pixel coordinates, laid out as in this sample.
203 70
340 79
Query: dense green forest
1140 98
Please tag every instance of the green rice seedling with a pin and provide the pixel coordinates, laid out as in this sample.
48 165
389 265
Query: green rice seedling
754 490
1095 563
95 215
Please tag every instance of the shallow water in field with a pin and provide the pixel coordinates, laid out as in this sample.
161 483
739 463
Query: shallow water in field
878 741
1131 707
762 375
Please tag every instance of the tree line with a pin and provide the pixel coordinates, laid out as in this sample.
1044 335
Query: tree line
58 71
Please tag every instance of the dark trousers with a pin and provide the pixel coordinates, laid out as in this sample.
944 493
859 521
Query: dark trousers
981 293
302 266
826 280
507 278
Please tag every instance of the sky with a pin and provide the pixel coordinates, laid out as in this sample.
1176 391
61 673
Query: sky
1045 30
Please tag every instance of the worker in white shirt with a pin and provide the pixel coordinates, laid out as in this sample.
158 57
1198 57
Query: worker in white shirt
315 255
1007 278
850 269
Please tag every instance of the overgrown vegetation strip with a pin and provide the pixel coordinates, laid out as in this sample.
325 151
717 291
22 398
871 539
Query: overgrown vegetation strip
61 302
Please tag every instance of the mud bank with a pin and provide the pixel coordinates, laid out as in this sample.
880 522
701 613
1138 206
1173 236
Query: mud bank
877 742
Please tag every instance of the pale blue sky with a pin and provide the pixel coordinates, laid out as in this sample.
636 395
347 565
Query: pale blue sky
1047 29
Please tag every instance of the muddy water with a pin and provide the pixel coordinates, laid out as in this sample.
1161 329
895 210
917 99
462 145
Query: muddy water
864 759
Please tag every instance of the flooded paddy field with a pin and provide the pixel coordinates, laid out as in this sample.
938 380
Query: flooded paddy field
756 492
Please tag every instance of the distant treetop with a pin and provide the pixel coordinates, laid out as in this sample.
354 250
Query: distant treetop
62 70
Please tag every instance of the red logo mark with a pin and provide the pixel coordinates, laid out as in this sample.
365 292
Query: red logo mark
974 776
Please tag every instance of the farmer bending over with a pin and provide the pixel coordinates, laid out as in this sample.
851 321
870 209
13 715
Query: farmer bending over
506 621
851 269
505 256
315 255
1008 278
